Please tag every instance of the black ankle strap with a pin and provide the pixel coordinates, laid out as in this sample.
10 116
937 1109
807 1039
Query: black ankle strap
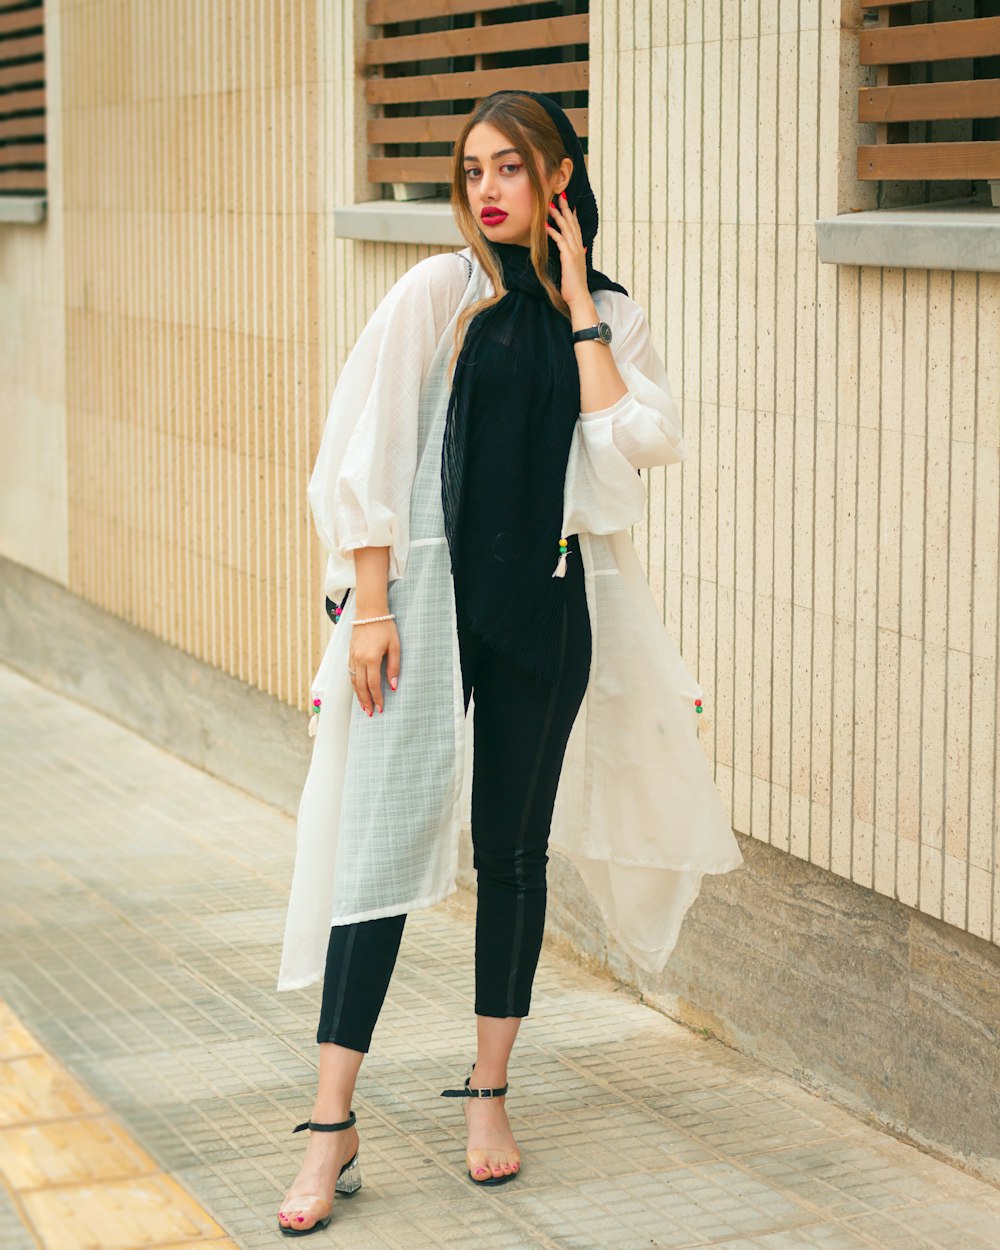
327 1128
470 1092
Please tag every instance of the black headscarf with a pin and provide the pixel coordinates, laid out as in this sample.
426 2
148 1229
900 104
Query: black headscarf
513 407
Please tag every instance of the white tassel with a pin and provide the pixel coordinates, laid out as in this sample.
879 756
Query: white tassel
561 565
313 722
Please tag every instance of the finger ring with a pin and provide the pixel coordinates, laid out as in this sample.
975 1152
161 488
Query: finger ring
352 671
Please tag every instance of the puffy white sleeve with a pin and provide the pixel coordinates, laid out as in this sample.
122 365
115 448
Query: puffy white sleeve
605 492
359 490
644 424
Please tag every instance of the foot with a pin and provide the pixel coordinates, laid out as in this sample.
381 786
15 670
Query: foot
491 1150
311 1195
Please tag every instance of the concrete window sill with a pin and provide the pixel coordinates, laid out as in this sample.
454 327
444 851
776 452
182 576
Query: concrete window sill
398 221
954 234
27 209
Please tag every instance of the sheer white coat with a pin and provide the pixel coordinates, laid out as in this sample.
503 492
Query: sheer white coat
385 797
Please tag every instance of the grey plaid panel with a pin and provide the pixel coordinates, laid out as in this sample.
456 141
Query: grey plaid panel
396 846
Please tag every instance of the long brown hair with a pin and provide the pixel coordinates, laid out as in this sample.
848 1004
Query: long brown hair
532 131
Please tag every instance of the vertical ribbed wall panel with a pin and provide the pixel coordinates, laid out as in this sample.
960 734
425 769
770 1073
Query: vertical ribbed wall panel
827 558
194 345
209 310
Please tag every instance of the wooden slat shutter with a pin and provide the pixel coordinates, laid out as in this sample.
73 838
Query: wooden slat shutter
956 108
22 99
430 61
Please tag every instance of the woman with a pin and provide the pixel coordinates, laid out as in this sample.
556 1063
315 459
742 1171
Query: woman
475 483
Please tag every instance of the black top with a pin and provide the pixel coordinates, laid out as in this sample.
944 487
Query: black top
488 544
512 415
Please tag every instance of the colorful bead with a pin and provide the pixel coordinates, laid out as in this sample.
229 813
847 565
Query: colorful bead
697 702
560 569
317 702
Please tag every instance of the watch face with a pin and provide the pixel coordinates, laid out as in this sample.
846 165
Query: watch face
604 330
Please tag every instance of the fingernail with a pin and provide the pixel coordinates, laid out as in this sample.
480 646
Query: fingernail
563 193
380 711
393 683
369 711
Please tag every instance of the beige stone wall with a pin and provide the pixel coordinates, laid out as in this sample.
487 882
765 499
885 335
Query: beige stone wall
206 318
192 324
827 557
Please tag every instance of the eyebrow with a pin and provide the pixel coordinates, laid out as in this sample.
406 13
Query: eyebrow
502 152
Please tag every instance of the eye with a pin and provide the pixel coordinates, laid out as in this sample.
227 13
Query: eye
471 170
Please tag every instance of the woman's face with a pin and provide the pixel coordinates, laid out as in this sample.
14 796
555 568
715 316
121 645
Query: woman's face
496 178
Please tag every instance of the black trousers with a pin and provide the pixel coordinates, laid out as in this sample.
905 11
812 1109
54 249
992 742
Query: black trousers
522 726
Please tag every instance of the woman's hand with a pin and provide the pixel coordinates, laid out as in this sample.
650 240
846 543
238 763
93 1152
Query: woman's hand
369 643
572 253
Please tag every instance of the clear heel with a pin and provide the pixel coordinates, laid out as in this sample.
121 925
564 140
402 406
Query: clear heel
472 1091
349 1181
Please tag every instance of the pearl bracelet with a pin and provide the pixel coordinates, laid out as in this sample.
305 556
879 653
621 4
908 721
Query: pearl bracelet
390 616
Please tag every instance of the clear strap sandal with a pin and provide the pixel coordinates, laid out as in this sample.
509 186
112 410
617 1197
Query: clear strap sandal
469 1091
348 1180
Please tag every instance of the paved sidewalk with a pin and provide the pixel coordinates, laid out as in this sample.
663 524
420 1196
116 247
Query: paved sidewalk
143 904
71 1172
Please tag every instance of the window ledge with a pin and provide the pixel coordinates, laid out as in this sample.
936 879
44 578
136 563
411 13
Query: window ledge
29 209
398 221
954 234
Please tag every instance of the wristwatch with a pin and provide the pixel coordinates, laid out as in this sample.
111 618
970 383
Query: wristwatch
601 331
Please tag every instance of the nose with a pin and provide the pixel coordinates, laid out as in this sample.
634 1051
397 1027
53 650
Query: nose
486 188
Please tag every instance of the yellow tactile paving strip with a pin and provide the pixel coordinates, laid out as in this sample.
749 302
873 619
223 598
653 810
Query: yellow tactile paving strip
76 1178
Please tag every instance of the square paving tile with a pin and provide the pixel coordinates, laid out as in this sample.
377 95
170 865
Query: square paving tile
145 1211
36 1087
67 1152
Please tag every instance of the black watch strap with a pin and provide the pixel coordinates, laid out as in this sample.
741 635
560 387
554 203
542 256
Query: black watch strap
601 332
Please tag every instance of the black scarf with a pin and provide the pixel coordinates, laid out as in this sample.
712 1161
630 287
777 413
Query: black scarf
514 404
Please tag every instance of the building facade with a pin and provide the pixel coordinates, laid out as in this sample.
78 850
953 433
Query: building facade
827 557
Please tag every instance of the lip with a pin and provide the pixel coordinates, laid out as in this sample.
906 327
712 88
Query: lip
492 216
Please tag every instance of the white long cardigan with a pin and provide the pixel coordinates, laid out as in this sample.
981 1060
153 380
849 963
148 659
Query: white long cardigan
385 797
